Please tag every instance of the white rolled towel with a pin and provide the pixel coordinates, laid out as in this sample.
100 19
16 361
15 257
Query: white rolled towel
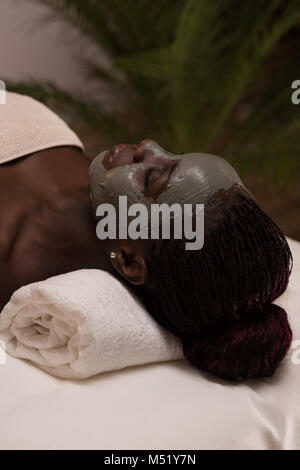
80 324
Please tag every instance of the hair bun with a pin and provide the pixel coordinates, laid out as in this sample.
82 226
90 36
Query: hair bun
247 348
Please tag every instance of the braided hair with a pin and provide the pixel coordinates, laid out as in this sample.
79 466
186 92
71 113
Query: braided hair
218 300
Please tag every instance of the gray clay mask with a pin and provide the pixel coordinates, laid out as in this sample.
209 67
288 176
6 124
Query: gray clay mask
107 185
195 179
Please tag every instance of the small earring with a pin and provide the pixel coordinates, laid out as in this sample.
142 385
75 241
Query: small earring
113 255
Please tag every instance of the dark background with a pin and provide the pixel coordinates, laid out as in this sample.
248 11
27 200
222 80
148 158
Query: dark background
195 75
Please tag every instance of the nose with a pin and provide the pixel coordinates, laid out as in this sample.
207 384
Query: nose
146 156
141 154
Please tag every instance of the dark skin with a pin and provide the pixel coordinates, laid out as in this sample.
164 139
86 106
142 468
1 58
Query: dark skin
47 226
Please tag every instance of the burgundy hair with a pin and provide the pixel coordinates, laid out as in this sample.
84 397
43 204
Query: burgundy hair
218 300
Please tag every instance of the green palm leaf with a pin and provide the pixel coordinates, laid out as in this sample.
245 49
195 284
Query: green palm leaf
196 74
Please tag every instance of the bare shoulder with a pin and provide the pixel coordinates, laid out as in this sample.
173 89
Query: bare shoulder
47 226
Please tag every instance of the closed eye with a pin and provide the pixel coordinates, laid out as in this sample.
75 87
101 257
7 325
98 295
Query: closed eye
153 180
151 175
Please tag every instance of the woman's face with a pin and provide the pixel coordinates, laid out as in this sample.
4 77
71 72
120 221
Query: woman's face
148 173
150 180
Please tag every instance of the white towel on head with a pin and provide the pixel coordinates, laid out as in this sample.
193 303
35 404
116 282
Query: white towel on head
27 126
79 324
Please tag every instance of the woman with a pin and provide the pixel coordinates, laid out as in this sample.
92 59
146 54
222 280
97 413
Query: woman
218 300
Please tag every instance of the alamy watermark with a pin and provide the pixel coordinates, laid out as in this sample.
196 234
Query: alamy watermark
296 94
160 217
296 354
2 353
2 92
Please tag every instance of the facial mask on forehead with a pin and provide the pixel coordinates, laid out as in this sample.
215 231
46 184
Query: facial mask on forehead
195 179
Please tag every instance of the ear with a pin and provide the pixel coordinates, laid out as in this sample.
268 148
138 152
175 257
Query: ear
130 264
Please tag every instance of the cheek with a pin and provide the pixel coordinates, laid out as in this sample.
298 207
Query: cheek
138 181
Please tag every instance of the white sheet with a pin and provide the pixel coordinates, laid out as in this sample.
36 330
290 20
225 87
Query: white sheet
169 405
